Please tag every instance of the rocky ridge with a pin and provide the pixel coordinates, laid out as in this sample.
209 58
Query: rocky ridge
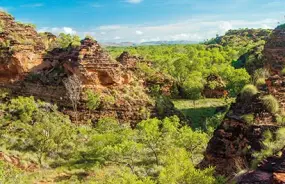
236 139
29 68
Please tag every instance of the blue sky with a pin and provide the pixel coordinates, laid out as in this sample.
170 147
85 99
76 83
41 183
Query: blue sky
146 20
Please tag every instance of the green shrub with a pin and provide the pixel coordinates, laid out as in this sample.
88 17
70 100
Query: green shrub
283 71
282 26
248 91
248 118
93 100
144 113
272 145
280 118
270 103
4 93
108 100
260 82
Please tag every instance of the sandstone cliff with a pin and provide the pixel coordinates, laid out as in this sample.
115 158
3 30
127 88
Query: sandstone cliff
29 67
20 49
235 140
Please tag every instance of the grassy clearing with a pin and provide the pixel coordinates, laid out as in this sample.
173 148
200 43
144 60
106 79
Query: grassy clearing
200 111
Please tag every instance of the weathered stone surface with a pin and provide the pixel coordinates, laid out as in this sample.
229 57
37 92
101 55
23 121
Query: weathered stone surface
219 90
129 61
20 49
30 68
231 148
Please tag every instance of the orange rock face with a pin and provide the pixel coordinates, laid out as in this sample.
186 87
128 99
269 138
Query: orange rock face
28 69
278 178
20 49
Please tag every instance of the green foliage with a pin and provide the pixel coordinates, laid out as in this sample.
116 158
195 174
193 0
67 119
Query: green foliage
193 86
11 175
248 91
260 82
179 170
1 26
90 37
248 118
280 118
260 74
33 126
107 152
204 112
66 40
282 26
190 65
283 71
272 145
108 100
93 100
27 25
4 93
270 103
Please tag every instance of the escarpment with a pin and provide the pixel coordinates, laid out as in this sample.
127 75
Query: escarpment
241 134
21 49
30 67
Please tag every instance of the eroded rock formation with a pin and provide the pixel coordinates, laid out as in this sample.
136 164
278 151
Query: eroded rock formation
21 49
215 87
28 69
237 138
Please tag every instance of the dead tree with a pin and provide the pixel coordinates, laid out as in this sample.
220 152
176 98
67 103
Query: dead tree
73 86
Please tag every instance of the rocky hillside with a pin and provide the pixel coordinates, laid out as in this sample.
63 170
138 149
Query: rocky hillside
28 69
238 140
21 49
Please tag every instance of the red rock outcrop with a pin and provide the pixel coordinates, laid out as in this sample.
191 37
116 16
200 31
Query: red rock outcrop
215 87
232 146
21 49
129 61
28 69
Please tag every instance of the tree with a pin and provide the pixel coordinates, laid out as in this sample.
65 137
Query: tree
65 40
93 100
179 169
73 86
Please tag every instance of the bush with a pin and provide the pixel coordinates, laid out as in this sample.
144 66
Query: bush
271 104
260 82
248 118
109 100
280 119
272 145
93 100
248 91
283 71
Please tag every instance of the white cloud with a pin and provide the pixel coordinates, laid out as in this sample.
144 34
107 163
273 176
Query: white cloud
69 30
109 27
139 32
190 30
117 38
134 1
58 30
225 26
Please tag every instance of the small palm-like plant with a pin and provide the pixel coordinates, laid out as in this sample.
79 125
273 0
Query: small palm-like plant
270 103
248 91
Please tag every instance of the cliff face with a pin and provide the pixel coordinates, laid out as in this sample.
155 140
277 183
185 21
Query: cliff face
235 140
28 69
20 49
